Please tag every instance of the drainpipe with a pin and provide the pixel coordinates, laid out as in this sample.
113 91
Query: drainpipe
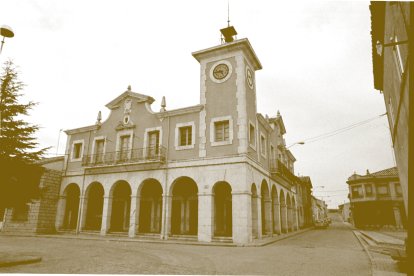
166 195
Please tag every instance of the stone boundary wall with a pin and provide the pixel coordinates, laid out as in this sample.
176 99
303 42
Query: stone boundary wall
42 212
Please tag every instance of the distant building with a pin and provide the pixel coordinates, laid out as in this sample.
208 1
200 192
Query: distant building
319 209
389 30
345 212
376 199
304 195
38 216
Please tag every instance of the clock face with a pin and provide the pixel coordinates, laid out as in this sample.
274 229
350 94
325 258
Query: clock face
220 71
249 77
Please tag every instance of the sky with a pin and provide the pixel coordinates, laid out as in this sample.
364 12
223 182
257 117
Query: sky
76 56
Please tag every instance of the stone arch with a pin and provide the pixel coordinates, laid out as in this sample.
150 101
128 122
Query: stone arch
266 208
294 214
289 212
283 212
71 196
94 200
255 228
150 206
223 220
184 206
120 198
275 211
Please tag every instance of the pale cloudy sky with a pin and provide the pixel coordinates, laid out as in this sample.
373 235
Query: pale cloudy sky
76 56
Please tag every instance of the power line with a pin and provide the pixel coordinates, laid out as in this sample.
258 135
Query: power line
340 130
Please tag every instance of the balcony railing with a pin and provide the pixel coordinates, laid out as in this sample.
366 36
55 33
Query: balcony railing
278 168
150 154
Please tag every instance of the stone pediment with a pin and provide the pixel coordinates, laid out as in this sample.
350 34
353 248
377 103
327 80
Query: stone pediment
118 101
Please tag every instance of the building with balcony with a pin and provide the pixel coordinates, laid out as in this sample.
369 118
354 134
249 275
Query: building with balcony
319 209
216 170
376 199
390 22
304 201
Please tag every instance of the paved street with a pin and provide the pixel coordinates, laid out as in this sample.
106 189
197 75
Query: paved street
334 251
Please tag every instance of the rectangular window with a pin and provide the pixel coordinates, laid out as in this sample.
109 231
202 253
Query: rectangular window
368 190
398 190
186 136
382 190
221 131
397 58
99 149
124 147
252 136
153 143
77 150
262 145
356 191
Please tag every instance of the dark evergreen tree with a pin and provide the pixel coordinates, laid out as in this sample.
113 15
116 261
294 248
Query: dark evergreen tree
19 172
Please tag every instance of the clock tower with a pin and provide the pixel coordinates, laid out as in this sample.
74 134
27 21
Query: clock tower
228 92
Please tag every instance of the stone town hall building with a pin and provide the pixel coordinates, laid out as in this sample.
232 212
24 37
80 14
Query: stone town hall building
214 171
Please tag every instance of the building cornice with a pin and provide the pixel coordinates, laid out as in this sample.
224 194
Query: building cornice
81 129
264 122
180 111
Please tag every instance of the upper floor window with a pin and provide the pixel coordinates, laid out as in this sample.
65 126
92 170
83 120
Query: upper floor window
368 190
152 142
356 191
262 145
98 150
398 190
397 58
252 136
382 190
77 150
184 136
221 131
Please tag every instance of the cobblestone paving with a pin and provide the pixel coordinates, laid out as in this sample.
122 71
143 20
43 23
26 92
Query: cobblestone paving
333 251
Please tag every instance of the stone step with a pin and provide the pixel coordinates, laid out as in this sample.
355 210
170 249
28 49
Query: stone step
223 239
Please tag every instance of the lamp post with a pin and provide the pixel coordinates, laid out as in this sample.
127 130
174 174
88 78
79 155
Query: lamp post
380 47
5 31
297 143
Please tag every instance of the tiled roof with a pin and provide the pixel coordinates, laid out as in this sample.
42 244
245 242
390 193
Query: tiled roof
387 172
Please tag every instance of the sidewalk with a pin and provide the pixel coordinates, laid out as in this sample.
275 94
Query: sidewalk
379 248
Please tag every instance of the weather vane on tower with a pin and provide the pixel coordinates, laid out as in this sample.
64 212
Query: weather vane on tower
228 34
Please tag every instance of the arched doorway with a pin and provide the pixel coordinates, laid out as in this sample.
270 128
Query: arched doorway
283 212
184 211
71 194
150 210
223 221
94 206
265 208
120 207
289 213
294 215
275 211
255 230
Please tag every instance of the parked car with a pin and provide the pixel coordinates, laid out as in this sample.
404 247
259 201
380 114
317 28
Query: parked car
321 224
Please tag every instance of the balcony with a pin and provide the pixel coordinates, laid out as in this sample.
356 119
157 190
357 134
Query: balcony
277 168
134 156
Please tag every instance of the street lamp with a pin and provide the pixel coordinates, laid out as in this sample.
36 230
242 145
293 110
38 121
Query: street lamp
380 47
5 31
297 143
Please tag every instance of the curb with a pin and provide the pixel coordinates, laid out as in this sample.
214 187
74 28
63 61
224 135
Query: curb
159 241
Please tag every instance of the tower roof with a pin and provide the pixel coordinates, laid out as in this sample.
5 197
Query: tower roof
240 44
